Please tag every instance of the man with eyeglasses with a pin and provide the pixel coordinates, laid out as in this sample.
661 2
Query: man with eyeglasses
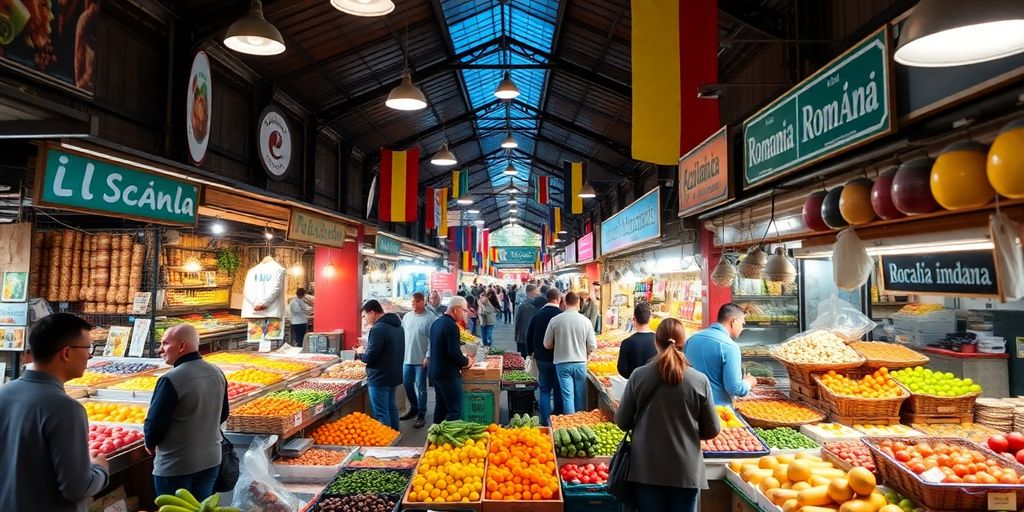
447 361
47 465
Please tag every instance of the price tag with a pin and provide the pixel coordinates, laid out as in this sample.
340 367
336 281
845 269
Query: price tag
319 408
933 475
298 419
1002 501
140 304
264 345
118 506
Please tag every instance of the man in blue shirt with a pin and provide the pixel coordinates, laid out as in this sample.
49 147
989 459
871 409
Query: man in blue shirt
714 352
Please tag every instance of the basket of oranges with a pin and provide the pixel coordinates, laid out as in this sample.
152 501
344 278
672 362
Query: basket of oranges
876 395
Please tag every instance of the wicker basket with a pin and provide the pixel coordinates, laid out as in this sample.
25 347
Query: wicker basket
804 373
767 423
266 424
920 403
913 358
939 496
860 407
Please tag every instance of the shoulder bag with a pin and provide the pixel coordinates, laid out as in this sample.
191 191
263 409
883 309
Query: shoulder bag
227 476
618 469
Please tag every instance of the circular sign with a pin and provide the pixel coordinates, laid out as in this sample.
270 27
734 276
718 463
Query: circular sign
275 142
199 107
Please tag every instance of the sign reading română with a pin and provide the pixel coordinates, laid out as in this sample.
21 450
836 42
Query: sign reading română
970 273
843 105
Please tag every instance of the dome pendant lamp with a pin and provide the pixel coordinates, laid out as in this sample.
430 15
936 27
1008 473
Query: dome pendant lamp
365 8
510 170
509 142
943 33
444 157
507 89
406 96
252 34
587 192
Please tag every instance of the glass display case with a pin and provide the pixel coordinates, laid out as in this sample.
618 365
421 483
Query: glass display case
772 313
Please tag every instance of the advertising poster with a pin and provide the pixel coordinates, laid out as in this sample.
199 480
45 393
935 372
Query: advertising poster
55 39
12 338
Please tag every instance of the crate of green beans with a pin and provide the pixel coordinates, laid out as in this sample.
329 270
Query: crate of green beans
390 482
785 438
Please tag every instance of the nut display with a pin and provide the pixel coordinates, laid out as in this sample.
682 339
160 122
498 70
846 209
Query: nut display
816 347
315 457
882 351
349 370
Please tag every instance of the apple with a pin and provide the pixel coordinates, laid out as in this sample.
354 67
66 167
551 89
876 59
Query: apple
1016 440
998 443
1020 456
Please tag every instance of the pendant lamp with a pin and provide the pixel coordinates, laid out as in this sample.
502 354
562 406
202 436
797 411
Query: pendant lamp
509 142
724 273
444 157
587 192
943 33
510 170
464 200
406 96
752 266
365 8
779 269
507 89
252 34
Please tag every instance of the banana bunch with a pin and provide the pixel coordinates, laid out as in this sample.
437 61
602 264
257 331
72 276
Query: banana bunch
183 501
455 432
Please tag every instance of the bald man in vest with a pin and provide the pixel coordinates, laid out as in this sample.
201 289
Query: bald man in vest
183 423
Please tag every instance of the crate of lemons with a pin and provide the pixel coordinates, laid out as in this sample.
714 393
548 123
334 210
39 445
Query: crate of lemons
451 469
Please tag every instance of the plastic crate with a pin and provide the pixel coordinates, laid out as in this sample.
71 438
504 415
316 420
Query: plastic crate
596 502
478 406
520 402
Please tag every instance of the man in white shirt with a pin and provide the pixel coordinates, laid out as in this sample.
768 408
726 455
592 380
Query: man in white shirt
575 342
299 310
416 325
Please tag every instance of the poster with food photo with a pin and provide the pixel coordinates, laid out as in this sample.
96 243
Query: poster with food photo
15 286
197 107
56 38
12 338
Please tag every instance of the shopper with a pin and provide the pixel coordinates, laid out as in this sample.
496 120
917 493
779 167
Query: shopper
523 316
182 425
299 310
547 379
571 337
514 294
638 349
588 308
47 465
506 305
471 319
447 362
714 352
435 304
416 326
383 355
676 411
488 316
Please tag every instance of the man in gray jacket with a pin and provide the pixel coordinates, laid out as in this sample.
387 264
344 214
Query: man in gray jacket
46 464
183 423
416 326
524 313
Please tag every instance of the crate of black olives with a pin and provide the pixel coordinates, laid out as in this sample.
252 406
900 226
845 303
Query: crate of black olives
350 482
357 503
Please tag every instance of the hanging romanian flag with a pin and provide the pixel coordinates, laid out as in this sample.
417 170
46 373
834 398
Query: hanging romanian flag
437 209
399 180
574 172
674 51
460 184
540 190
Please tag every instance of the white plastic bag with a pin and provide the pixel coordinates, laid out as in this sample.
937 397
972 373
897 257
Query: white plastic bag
842 319
851 265
257 489
1006 235
531 367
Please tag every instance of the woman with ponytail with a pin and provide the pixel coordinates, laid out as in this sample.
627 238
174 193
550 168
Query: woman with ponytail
669 407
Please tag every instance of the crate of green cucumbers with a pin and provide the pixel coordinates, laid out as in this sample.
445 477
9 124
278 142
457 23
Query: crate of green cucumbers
587 441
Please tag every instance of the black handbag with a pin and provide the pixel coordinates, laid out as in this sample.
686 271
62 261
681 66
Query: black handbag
227 476
618 469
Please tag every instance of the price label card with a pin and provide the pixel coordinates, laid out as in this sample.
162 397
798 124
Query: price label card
319 409
298 419
264 346
933 475
1002 501
140 304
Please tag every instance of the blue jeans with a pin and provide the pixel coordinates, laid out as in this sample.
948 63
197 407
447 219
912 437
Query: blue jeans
488 335
547 386
200 484
471 326
414 376
661 498
572 379
383 406
447 400
298 333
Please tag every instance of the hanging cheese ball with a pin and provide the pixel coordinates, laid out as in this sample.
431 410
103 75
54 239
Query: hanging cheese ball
1005 167
958 178
830 209
855 202
911 190
881 196
812 211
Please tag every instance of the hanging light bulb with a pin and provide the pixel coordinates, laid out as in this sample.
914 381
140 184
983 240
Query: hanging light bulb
512 200
464 200
192 265
217 228
444 157
510 170
562 232
473 211
296 269
406 96
268 234
364 8
587 192
943 33
252 34
509 142
513 210
507 89
329 271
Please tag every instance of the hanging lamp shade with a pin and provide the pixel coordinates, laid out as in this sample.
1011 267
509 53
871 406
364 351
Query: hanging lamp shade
830 209
587 192
510 170
509 142
365 8
406 96
942 33
1005 167
779 269
855 202
752 265
911 190
881 196
507 89
812 211
253 34
958 178
444 157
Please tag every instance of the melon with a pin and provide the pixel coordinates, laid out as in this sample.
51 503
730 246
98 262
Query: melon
1005 166
958 179
812 211
911 187
855 202
830 209
881 196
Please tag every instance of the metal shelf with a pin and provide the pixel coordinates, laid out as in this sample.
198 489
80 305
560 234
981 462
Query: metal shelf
193 286
180 310
179 248
764 297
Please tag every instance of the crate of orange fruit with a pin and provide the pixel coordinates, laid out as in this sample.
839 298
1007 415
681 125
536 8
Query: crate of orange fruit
522 471
355 429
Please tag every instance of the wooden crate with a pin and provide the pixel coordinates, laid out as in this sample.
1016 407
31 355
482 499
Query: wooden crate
910 417
862 420
812 401
808 390
480 371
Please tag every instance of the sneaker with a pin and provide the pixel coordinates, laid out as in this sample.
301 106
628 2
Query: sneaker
408 416
419 423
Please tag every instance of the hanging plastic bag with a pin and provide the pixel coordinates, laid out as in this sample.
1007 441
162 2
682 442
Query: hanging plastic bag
842 319
257 489
1009 257
531 367
851 265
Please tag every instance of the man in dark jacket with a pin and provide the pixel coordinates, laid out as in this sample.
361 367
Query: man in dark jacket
547 381
384 353
447 361
523 316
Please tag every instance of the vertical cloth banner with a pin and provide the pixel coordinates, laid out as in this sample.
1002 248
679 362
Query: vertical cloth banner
437 209
460 184
574 172
673 53
556 221
540 190
399 181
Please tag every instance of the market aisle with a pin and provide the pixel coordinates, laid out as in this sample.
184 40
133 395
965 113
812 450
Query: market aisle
503 338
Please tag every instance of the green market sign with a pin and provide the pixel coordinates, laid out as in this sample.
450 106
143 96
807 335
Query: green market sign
387 245
75 181
843 105
516 256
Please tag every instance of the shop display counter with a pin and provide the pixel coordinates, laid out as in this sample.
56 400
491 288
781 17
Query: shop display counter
988 370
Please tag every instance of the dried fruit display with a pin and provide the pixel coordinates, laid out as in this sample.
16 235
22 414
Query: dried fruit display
816 347
356 503
776 410
356 429
315 457
349 370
